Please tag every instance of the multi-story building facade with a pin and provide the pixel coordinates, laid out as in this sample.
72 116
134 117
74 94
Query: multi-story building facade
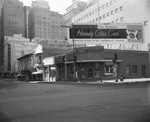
1 2
74 9
39 20
16 47
57 32
12 22
118 11
44 23
13 17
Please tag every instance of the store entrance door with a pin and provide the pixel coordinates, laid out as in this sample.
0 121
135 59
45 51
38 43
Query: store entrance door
143 70
90 72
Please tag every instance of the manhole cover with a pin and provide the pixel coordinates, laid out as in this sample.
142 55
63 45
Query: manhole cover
95 107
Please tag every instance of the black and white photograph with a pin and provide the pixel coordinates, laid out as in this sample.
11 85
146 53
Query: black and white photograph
74 60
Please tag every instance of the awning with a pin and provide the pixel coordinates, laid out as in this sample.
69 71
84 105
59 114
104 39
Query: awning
38 72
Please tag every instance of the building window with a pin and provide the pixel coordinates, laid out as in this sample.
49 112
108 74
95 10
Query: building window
96 10
99 8
9 57
90 14
134 69
93 20
112 12
108 69
128 70
93 12
121 8
111 2
103 6
97 19
121 19
100 17
117 20
108 14
116 10
145 23
104 16
90 72
107 4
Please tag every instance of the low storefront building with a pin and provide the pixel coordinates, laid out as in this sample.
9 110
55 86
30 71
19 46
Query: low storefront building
97 63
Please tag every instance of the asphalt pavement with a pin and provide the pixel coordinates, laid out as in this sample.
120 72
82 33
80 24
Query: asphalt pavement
74 102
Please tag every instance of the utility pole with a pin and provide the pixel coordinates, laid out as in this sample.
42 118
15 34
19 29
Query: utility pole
115 67
73 49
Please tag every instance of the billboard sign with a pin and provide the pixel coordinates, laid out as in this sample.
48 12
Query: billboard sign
106 32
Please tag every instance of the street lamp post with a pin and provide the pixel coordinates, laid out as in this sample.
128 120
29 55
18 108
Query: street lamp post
74 57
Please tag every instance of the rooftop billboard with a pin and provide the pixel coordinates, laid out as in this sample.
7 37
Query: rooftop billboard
102 33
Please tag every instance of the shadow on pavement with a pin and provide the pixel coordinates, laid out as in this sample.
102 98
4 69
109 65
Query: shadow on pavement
7 84
3 118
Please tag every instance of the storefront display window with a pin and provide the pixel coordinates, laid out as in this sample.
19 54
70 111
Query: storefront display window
108 69
96 66
82 67
82 70
134 69
90 72
97 70
128 70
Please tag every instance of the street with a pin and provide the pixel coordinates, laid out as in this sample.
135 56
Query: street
73 102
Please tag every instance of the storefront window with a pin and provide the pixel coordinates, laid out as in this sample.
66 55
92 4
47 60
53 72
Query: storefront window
82 67
97 75
108 69
90 72
96 66
128 70
134 69
83 70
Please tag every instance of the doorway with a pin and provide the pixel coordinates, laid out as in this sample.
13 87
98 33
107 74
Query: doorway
143 70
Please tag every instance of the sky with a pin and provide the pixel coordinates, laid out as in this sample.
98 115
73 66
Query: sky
55 5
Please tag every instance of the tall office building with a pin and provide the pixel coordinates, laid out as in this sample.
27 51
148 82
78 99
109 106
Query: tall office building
115 11
44 23
12 22
57 32
74 9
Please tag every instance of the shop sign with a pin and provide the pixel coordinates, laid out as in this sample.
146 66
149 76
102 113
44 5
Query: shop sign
49 61
59 60
98 33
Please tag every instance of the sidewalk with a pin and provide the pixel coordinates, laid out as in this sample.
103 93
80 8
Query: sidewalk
124 81
99 82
